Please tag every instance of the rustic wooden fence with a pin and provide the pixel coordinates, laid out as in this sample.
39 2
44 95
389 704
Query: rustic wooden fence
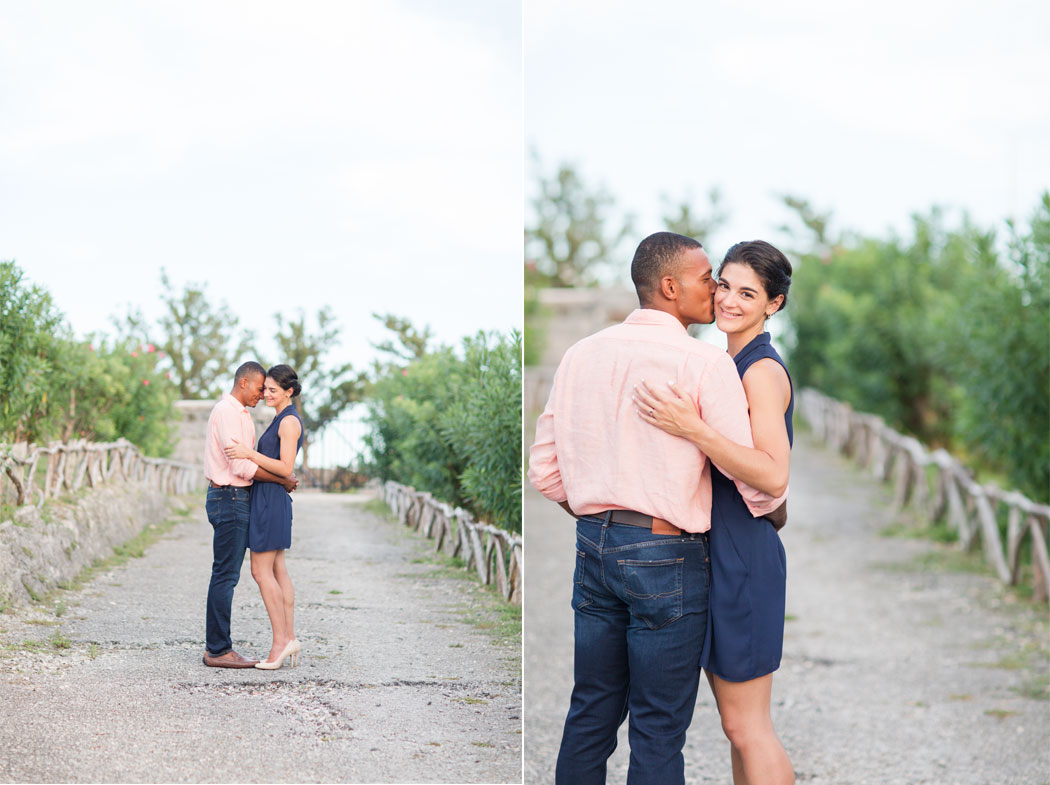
939 488
32 474
495 553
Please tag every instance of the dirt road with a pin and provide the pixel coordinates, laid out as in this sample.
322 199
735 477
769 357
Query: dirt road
410 672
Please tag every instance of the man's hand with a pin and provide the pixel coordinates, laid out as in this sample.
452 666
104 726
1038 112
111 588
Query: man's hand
779 516
290 483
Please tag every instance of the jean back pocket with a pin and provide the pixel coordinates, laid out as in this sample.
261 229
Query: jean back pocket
654 589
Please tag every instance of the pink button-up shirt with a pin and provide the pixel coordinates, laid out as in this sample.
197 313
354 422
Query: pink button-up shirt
229 419
593 450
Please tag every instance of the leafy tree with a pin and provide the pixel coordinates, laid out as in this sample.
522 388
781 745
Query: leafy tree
31 332
570 238
327 391
199 340
679 217
817 223
196 339
411 343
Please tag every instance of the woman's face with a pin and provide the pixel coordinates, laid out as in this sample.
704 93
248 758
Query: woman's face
741 301
273 394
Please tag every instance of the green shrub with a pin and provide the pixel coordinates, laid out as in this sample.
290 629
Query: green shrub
451 425
940 335
60 388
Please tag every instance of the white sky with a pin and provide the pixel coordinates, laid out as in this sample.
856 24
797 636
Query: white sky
364 154
872 110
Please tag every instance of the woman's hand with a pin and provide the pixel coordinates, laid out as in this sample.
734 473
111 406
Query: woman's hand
238 450
668 409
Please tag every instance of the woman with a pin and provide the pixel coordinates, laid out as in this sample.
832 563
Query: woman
748 567
270 519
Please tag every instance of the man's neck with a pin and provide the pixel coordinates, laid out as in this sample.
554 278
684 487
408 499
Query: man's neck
237 398
668 308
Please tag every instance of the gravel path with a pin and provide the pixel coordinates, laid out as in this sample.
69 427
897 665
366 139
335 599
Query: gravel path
410 672
897 670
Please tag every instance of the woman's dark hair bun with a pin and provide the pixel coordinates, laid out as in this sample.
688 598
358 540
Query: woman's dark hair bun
286 378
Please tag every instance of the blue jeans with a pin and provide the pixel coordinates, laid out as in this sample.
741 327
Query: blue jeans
228 515
641 616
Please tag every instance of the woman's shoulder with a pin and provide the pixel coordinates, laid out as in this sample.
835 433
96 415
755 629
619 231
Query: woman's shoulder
766 373
291 421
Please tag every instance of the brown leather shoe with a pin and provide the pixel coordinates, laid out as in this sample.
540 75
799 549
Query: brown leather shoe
230 659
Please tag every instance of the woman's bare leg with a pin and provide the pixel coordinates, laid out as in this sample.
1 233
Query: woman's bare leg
734 754
280 573
757 754
273 599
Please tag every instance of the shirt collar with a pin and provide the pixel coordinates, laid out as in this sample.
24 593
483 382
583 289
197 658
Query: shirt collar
651 316
234 402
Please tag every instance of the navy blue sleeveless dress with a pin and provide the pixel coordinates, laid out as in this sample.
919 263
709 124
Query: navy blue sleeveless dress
270 519
745 633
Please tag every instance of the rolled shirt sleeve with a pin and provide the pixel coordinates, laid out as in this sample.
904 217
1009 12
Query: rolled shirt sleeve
543 459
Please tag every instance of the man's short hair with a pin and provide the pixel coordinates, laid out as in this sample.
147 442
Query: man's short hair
658 255
247 370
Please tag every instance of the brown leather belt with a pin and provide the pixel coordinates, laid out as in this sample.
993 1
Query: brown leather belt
632 518
213 485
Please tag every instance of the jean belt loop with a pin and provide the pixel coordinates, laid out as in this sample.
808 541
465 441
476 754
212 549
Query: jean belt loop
608 517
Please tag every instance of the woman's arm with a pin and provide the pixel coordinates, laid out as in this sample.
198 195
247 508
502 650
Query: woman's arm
289 431
768 391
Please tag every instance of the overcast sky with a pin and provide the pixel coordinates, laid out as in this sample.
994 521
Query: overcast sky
365 155
874 111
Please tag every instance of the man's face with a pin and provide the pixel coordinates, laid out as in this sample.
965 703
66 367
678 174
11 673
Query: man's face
253 389
696 289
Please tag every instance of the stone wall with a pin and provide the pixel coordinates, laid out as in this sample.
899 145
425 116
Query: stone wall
41 548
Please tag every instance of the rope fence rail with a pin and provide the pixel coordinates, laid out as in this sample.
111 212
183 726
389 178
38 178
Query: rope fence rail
495 553
32 474
940 488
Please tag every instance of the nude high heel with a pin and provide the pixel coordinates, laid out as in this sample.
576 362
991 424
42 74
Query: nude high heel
291 649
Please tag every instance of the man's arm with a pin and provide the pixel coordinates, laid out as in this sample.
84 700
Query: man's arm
290 483
723 405
227 430
544 471
543 460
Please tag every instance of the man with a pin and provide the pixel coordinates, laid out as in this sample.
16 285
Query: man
643 499
229 481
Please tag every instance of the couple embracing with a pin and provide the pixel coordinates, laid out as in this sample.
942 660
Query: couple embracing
673 455
249 506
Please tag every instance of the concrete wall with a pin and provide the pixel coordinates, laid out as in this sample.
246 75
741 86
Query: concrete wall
569 315
193 427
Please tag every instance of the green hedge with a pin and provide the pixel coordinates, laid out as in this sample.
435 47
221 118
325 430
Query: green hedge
450 423
946 335
56 387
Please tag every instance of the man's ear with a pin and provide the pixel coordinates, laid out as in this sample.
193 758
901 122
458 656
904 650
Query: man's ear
669 287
